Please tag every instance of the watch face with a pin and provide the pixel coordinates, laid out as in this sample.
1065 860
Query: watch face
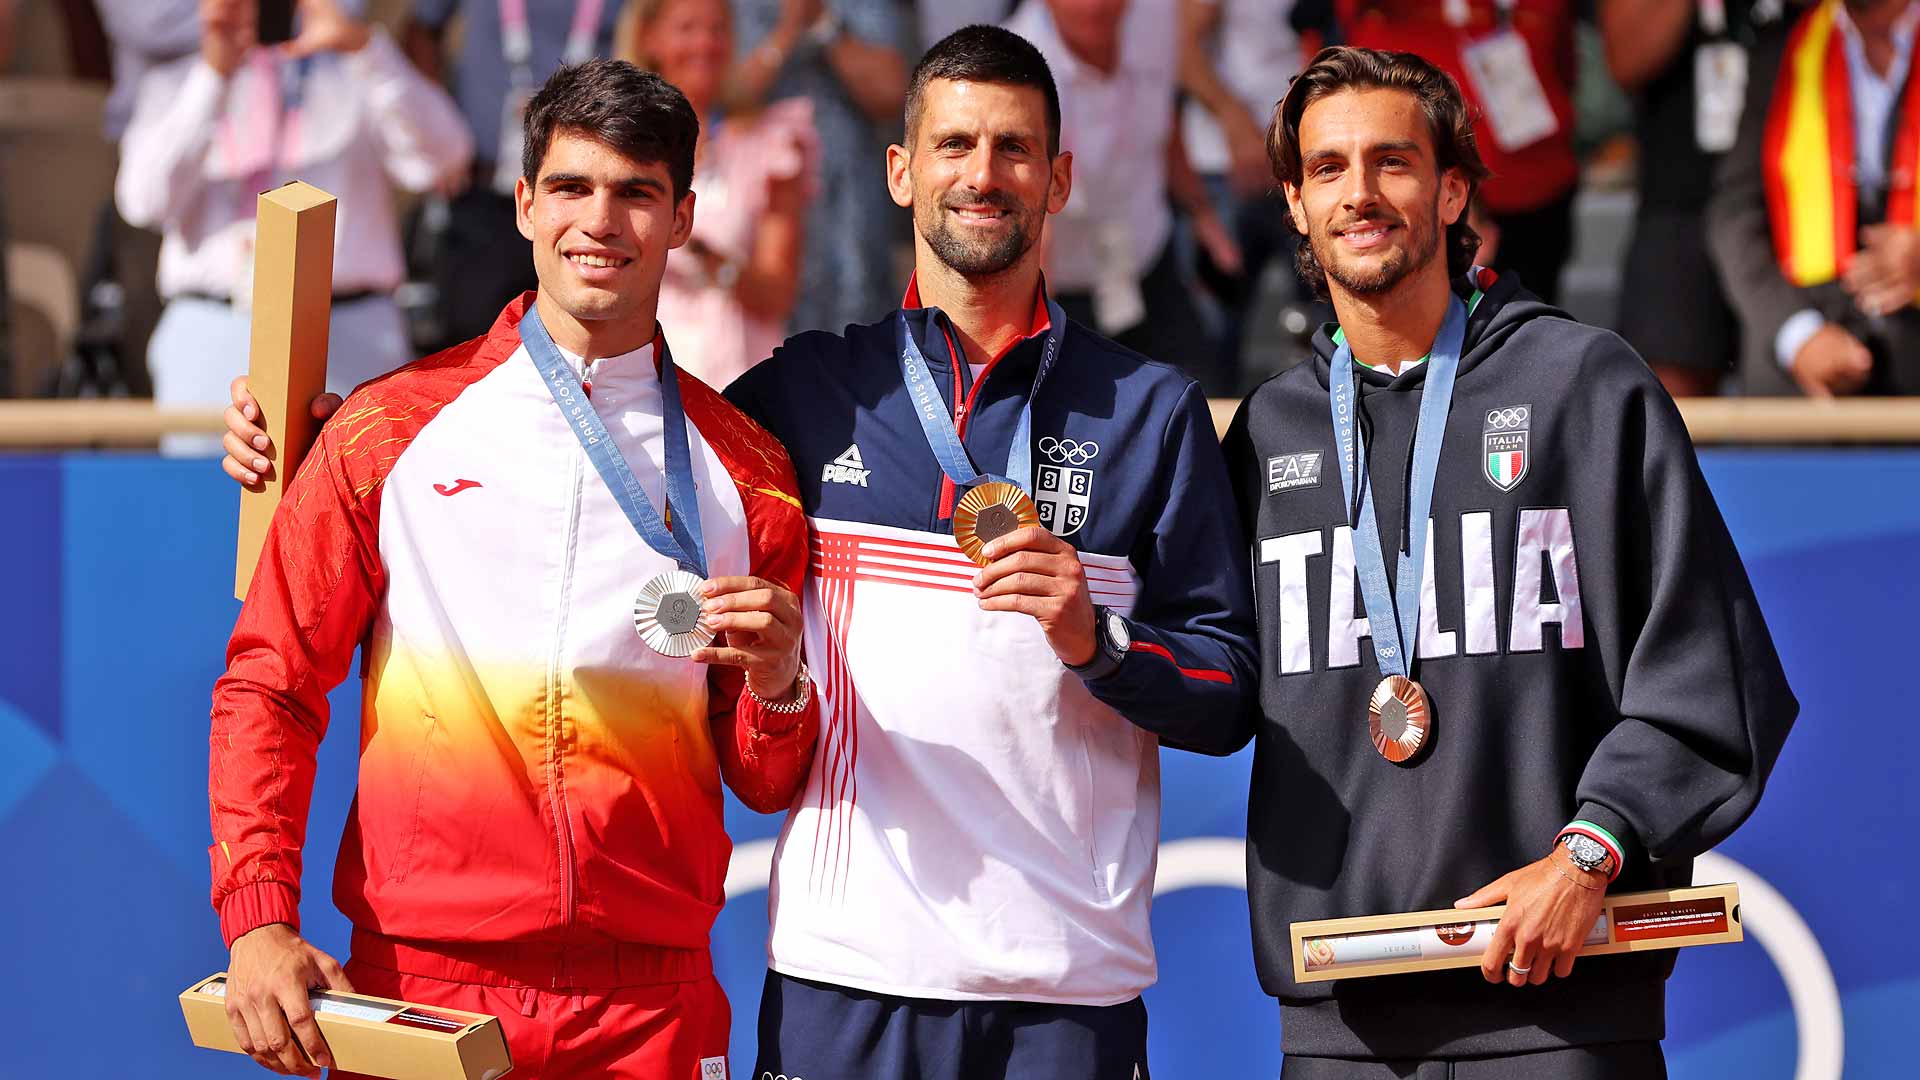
1586 851
1117 631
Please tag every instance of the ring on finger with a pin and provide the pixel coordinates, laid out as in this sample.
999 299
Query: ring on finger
1517 969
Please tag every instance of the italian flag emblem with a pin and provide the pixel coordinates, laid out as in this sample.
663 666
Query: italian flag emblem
1504 467
1503 445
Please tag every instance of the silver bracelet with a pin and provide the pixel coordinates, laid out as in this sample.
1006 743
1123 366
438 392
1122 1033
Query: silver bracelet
798 704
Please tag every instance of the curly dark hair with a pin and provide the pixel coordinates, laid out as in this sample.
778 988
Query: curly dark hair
1449 122
636 112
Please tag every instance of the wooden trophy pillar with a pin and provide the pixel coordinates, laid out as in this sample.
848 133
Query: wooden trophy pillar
287 368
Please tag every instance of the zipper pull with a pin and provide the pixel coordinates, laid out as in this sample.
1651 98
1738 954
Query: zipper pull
959 412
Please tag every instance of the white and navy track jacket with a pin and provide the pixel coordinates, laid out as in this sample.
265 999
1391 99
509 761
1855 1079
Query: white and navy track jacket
980 823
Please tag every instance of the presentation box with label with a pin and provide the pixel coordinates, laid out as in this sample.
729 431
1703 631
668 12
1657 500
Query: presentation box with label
1357 948
372 1035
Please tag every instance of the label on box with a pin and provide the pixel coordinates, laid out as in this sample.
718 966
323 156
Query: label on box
320 1002
430 1021
1680 918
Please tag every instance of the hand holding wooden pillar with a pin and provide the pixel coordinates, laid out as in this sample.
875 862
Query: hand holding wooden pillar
287 369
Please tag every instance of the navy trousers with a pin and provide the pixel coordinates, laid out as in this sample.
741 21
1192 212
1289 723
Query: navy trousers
813 1031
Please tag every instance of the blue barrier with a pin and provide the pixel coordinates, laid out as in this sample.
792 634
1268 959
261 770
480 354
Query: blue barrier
116 574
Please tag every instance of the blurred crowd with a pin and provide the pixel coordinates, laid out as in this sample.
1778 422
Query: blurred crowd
1738 174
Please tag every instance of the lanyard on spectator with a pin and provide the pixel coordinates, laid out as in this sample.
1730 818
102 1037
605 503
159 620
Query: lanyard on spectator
942 437
1395 617
1713 17
679 538
1460 12
291 80
516 38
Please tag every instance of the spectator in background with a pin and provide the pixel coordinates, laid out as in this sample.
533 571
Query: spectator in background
143 33
1514 60
507 49
849 58
6 298
938 18
339 107
1110 256
1686 65
729 292
1814 222
1236 59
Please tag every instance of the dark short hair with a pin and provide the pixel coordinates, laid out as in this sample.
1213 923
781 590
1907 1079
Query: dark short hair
634 112
1449 123
985 54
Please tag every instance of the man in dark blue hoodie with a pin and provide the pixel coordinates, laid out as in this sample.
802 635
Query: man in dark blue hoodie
1568 687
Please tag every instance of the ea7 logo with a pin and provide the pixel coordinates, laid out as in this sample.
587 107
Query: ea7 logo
1503 446
1290 471
846 469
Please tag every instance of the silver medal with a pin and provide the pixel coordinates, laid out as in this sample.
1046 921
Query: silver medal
667 614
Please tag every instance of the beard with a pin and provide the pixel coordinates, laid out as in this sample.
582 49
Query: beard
984 255
1396 263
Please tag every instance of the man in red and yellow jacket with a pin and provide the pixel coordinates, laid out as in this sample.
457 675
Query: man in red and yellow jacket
538 829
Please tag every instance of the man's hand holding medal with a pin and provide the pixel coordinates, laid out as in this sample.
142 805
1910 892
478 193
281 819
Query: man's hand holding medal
1032 571
757 624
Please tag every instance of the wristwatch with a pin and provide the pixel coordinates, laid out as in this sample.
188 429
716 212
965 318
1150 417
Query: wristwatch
1112 638
1587 853
798 703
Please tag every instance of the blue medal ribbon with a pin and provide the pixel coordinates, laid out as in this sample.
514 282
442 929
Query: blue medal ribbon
679 537
943 437
1394 618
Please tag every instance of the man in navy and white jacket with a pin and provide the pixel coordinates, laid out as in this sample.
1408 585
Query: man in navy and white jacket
963 888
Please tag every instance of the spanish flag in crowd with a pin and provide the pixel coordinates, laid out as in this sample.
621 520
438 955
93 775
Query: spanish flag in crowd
1809 154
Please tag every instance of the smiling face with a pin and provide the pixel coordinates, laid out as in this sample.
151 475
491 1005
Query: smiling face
1372 200
601 226
690 44
977 174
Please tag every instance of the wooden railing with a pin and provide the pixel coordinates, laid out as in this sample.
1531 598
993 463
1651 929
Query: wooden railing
1767 421
1713 421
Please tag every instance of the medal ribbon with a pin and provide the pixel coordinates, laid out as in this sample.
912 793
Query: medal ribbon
679 537
1713 17
1394 619
942 437
516 39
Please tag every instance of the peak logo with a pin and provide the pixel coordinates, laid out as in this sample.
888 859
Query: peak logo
846 469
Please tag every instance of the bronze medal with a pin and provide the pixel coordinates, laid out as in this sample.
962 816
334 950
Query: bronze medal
988 512
1399 719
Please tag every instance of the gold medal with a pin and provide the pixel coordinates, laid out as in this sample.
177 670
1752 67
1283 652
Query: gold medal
1398 718
988 512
